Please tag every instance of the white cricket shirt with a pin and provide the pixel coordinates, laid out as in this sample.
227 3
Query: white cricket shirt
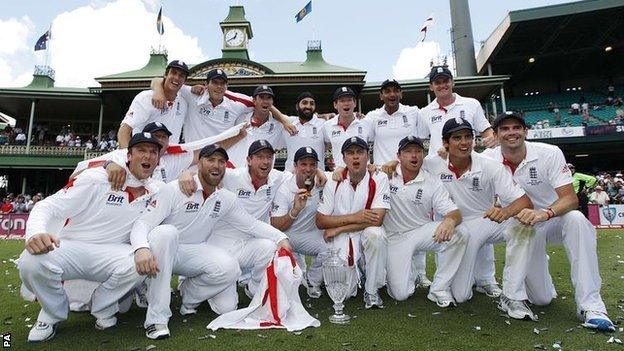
388 130
283 203
339 198
142 112
309 134
336 134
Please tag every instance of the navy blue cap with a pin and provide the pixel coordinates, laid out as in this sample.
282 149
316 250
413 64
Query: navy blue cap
388 83
304 152
508 115
143 137
410 140
354 141
439 71
208 150
153 127
260 145
455 124
263 89
179 64
343 91
216 73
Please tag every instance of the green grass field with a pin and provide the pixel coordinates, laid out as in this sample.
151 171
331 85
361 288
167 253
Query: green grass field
416 324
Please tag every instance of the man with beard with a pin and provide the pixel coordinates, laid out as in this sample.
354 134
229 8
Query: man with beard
351 215
171 238
542 171
172 115
293 213
93 244
474 182
309 130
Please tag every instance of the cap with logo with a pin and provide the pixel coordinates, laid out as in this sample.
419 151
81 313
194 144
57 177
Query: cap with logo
410 140
260 145
343 91
210 149
508 115
439 71
154 127
143 137
263 89
304 152
216 73
454 125
179 64
390 83
357 141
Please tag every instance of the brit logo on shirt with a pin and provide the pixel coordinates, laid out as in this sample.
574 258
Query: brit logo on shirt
243 194
191 207
216 209
382 123
393 189
475 184
436 119
115 200
446 178
335 133
204 111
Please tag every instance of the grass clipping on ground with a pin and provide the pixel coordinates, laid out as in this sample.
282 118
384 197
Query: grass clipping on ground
416 324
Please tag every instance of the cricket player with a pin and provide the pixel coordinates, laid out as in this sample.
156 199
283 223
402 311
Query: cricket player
414 192
93 244
474 183
172 115
171 238
351 215
309 131
294 210
345 125
541 170
391 123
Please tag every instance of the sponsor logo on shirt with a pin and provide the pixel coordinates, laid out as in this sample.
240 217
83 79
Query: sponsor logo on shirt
115 200
191 207
386 198
446 177
393 189
436 119
151 204
335 133
204 110
130 113
382 123
243 194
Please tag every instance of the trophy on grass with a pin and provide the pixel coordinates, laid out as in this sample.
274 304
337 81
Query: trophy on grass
337 276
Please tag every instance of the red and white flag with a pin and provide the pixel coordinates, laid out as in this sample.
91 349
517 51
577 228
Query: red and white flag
425 27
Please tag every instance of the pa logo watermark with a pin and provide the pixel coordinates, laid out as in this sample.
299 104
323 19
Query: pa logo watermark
6 341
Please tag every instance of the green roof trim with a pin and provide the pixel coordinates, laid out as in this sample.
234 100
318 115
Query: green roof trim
39 162
155 67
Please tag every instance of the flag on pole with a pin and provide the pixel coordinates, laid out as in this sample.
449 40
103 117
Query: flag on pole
304 11
160 27
42 42
425 27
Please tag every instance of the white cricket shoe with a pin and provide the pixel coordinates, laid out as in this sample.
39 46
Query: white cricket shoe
157 331
491 290
442 300
187 309
422 281
314 291
140 295
597 320
371 300
516 309
102 324
41 332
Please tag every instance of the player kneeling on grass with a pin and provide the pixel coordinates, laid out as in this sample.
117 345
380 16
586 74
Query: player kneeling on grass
351 213
171 238
474 182
540 169
414 192
294 210
94 244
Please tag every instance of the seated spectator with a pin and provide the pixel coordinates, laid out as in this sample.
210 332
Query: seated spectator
617 101
550 107
585 107
585 122
89 145
19 206
546 124
59 139
538 125
30 204
599 196
7 206
20 139
611 90
575 108
78 142
557 119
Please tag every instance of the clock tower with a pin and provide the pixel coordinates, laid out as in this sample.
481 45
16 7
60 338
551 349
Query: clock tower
236 34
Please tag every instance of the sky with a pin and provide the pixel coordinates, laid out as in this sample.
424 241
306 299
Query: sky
93 38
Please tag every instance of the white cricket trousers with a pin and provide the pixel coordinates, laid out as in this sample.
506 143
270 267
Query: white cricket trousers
401 248
210 273
579 240
480 231
369 255
312 244
112 265
253 256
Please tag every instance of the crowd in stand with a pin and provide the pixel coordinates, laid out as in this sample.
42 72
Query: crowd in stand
65 138
20 204
603 189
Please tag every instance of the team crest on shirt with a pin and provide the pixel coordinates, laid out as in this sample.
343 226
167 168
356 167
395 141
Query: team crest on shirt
114 200
476 186
191 207
314 131
533 177
216 209
130 113
436 119
359 130
418 197
226 116
462 114
163 174
271 127
243 193
178 109
268 192
151 204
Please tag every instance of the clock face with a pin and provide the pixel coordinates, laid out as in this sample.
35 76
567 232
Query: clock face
234 37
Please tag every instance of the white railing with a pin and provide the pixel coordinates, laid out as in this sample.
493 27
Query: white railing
36 150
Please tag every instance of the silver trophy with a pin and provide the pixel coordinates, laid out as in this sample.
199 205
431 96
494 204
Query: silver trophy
337 275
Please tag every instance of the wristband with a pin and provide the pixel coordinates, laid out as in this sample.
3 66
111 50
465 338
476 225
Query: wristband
552 212
291 216
107 163
549 212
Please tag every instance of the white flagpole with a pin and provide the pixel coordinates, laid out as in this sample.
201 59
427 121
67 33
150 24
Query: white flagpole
163 26
48 44
313 24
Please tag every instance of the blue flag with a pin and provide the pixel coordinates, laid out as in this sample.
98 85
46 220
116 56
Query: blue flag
304 11
160 27
42 42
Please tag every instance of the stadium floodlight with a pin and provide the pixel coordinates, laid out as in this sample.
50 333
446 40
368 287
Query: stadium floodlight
608 48
531 59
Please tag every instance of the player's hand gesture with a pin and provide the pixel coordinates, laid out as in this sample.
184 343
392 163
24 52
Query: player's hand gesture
198 89
531 217
285 244
159 100
290 128
329 234
42 243
496 214
489 142
187 183
301 198
390 168
337 174
444 231
145 262
116 176
442 153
